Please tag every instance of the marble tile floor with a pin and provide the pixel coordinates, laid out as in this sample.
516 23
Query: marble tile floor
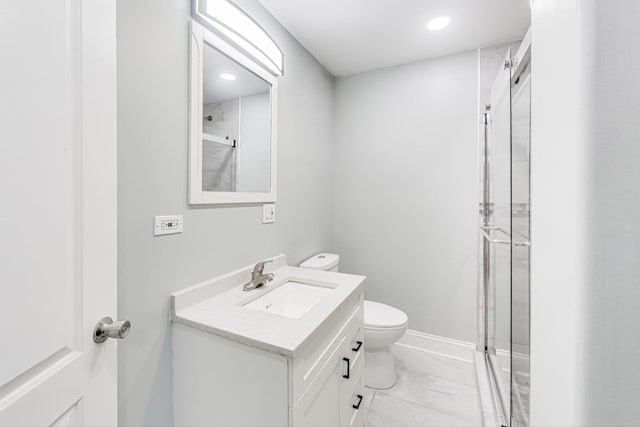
432 390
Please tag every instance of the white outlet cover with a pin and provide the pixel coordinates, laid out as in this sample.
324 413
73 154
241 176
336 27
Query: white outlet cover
167 224
268 213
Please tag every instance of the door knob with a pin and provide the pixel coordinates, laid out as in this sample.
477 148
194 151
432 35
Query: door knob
107 328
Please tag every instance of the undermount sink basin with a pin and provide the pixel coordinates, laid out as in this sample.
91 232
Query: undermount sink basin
292 299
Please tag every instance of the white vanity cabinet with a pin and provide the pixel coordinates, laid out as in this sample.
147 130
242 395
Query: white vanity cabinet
223 380
327 387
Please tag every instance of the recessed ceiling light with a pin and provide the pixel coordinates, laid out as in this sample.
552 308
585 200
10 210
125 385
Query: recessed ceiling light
438 23
227 76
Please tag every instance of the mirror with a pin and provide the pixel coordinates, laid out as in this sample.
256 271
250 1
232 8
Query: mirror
232 142
235 126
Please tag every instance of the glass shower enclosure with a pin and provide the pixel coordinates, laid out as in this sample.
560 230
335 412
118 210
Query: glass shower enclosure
504 232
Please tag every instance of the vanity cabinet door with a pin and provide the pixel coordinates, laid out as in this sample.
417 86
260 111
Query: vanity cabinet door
320 405
331 373
351 403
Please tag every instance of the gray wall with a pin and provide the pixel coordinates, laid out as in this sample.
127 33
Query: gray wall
585 213
254 152
152 175
407 200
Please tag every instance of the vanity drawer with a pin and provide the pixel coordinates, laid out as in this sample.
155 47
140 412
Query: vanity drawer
339 332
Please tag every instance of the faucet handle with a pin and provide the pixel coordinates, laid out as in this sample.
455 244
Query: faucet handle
259 267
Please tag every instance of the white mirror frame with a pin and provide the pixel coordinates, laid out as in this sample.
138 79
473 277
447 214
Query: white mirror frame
197 196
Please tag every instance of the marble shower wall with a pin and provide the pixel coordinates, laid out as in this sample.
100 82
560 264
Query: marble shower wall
219 165
225 118
219 162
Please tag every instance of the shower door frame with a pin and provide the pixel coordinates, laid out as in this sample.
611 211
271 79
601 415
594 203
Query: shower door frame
494 411
499 397
521 67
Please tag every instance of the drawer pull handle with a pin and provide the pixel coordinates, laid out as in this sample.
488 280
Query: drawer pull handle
346 359
357 406
357 348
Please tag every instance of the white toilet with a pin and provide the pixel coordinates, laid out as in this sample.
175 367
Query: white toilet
383 325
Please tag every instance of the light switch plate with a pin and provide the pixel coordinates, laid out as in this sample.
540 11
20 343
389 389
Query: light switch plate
167 224
269 213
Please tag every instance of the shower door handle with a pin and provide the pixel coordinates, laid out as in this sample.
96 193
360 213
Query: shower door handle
490 240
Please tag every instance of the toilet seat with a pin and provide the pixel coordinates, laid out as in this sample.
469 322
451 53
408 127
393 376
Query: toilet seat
382 317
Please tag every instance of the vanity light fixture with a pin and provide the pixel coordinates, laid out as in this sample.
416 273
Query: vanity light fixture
226 19
227 76
437 24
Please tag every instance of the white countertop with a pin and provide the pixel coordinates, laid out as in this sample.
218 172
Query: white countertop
216 307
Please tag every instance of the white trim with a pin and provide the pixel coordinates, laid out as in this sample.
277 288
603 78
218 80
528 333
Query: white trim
99 204
455 349
196 195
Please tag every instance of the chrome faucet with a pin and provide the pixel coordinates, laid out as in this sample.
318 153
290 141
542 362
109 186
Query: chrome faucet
258 278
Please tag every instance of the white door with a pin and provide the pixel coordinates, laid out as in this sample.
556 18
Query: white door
57 211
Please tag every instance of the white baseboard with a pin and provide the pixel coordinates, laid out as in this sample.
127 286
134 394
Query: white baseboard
460 350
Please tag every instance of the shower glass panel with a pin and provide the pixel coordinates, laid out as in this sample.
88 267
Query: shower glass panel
498 235
505 231
520 248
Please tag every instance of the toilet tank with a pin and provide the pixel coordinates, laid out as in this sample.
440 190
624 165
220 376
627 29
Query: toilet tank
323 261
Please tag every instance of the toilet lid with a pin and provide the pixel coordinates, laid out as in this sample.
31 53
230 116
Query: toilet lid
378 315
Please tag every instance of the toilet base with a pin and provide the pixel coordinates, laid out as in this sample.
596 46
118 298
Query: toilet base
379 368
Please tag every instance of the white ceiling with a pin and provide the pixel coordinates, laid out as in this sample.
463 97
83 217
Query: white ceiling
352 36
